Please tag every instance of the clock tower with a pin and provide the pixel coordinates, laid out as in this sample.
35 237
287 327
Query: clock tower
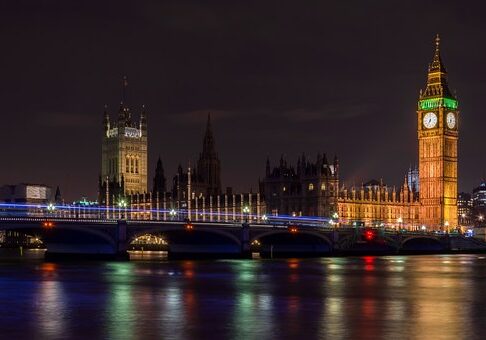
437 141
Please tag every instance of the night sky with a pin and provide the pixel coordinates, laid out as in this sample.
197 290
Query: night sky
340 77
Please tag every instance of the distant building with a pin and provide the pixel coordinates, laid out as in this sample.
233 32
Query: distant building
205 178
25 193
465 209
124 154
479 204
308 189
33 197
196 193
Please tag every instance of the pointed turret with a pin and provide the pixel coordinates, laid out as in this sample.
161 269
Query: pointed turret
437 92
336 165
124 89
124 114
208 165
159 179
209 148
143 121
324 159
57 196
267 168
106 119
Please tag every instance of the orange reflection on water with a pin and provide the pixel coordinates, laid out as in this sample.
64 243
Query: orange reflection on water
188 267
48 269
293 263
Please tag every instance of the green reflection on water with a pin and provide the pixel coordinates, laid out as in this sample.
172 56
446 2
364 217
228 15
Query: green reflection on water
120 311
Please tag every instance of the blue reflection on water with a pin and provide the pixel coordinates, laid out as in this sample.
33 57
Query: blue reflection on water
337 298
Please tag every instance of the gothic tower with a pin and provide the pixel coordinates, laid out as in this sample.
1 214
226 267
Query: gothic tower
124 153
208 165
437 136
159 186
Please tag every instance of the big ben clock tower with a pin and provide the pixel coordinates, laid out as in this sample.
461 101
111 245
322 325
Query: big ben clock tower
437 136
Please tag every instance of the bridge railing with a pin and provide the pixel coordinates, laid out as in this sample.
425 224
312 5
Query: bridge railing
83 213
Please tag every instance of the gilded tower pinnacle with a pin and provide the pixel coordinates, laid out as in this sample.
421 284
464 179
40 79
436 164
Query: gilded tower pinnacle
437 91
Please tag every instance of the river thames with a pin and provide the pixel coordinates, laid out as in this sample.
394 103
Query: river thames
396 297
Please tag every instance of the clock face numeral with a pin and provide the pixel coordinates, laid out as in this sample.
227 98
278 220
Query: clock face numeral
430 120
451 120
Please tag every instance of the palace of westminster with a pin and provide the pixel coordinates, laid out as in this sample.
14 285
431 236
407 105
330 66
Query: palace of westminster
427 197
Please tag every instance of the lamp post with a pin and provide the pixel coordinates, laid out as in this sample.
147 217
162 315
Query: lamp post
400 222
246 213
51 208
446 226
122 204
335 216
172 214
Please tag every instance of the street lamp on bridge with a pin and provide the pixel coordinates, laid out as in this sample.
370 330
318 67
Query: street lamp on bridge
400 222
172 214
122 204
246 213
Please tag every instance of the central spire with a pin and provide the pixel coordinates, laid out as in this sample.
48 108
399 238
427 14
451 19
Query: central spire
209 148
436 65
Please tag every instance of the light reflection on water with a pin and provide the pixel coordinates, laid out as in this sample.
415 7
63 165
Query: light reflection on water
399 297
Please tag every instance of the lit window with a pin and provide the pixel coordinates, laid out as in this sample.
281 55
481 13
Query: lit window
127 165
311 187
284 189
323 186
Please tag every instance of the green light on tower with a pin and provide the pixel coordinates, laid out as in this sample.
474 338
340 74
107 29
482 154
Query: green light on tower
433 103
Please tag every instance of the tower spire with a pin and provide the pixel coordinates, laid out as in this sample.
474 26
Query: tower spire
437 91
124 89
208 143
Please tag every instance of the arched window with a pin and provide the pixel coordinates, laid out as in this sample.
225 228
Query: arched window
127 164
311 187
136 166
323 186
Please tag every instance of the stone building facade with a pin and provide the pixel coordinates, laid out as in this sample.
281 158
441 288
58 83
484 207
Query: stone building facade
308 189
124 154
427 198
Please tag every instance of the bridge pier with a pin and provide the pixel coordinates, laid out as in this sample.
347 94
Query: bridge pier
245 240
121 241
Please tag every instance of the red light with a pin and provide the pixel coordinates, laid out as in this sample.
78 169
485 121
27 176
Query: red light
48 224
189 226
293 229
369 235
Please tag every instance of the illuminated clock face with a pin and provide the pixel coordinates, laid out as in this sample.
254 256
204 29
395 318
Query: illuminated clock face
430 120
451 120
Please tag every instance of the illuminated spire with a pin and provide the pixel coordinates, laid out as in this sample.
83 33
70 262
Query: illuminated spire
436 92
436 65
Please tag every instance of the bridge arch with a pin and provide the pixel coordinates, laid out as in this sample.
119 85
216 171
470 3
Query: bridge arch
428 242
318 235
38 229
180 228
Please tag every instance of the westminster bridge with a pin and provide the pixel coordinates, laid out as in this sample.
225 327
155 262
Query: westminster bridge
90 235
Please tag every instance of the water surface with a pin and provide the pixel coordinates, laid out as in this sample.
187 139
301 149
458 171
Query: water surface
396 297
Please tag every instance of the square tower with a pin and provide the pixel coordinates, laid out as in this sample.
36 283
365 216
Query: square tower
437 126
124 154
